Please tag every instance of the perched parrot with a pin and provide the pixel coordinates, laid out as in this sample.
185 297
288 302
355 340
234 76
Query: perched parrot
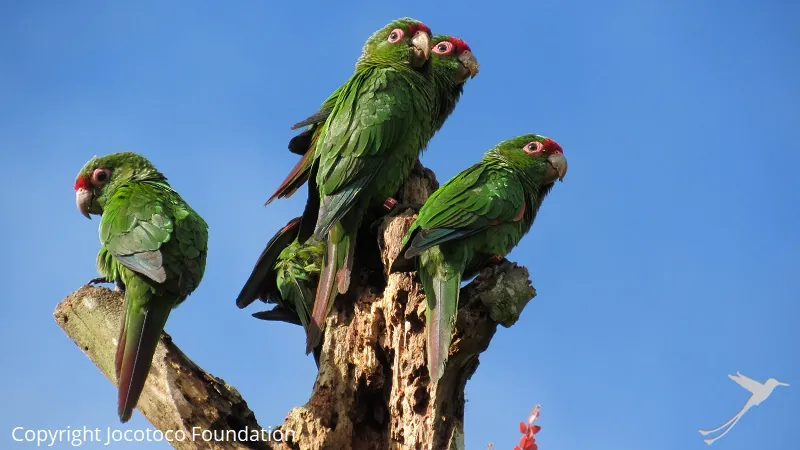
380 121
286 274
452 63
153 245
475 218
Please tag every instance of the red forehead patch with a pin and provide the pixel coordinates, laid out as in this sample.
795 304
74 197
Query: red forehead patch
81 182
460 45
419 26
552 145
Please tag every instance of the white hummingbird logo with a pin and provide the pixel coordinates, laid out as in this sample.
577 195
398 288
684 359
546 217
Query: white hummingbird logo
759 391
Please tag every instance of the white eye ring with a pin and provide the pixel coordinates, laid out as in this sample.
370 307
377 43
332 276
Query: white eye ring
448 48
395 35
533 147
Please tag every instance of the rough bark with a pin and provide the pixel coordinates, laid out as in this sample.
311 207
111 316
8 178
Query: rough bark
178 395
372 390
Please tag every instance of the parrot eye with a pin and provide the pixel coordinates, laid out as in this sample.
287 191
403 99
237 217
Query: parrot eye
443 48
100 176
395 35
533 148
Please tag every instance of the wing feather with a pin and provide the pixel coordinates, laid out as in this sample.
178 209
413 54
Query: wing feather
365 125
133 228
472 201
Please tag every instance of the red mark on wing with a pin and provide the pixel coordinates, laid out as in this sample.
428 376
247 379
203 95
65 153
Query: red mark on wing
516 218
390 203
521 212
552 145
81 182
419 26
460 45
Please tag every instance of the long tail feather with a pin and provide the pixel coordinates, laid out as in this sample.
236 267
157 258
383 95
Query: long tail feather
120 347
346 267
142 330
261 282
323 300
278 314
295 179
300 296
311 211
442 297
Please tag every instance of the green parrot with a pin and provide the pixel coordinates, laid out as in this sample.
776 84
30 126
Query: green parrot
477 217
286 274
379 122
153 245
452 63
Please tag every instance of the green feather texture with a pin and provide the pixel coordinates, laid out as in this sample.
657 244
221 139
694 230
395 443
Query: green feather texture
480 214
285 275
452 64
364 140
379 123
152 243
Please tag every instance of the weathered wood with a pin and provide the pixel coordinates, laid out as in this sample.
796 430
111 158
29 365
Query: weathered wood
178 395
372 390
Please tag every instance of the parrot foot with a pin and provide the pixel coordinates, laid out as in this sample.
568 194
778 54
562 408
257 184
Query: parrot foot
99 280
394 208
495 260
118 286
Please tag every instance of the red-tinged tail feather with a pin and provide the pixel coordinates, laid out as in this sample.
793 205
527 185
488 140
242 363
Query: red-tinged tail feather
295 179
120 348
323 299
142 330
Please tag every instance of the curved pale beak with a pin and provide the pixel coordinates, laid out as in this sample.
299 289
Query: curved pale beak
84 199
558 167
782 384
469 65
421 49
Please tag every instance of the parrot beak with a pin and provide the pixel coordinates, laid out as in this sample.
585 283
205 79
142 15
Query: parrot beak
420 49
468 67
84 199
558 167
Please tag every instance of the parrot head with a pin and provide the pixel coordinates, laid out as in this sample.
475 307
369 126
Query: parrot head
101 176
405 41
536 154
453 57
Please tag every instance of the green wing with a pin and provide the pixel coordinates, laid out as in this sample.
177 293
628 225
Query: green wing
134 226
472 201
302 143
371 116
324 111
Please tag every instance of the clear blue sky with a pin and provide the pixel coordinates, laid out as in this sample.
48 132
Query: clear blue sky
667 259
